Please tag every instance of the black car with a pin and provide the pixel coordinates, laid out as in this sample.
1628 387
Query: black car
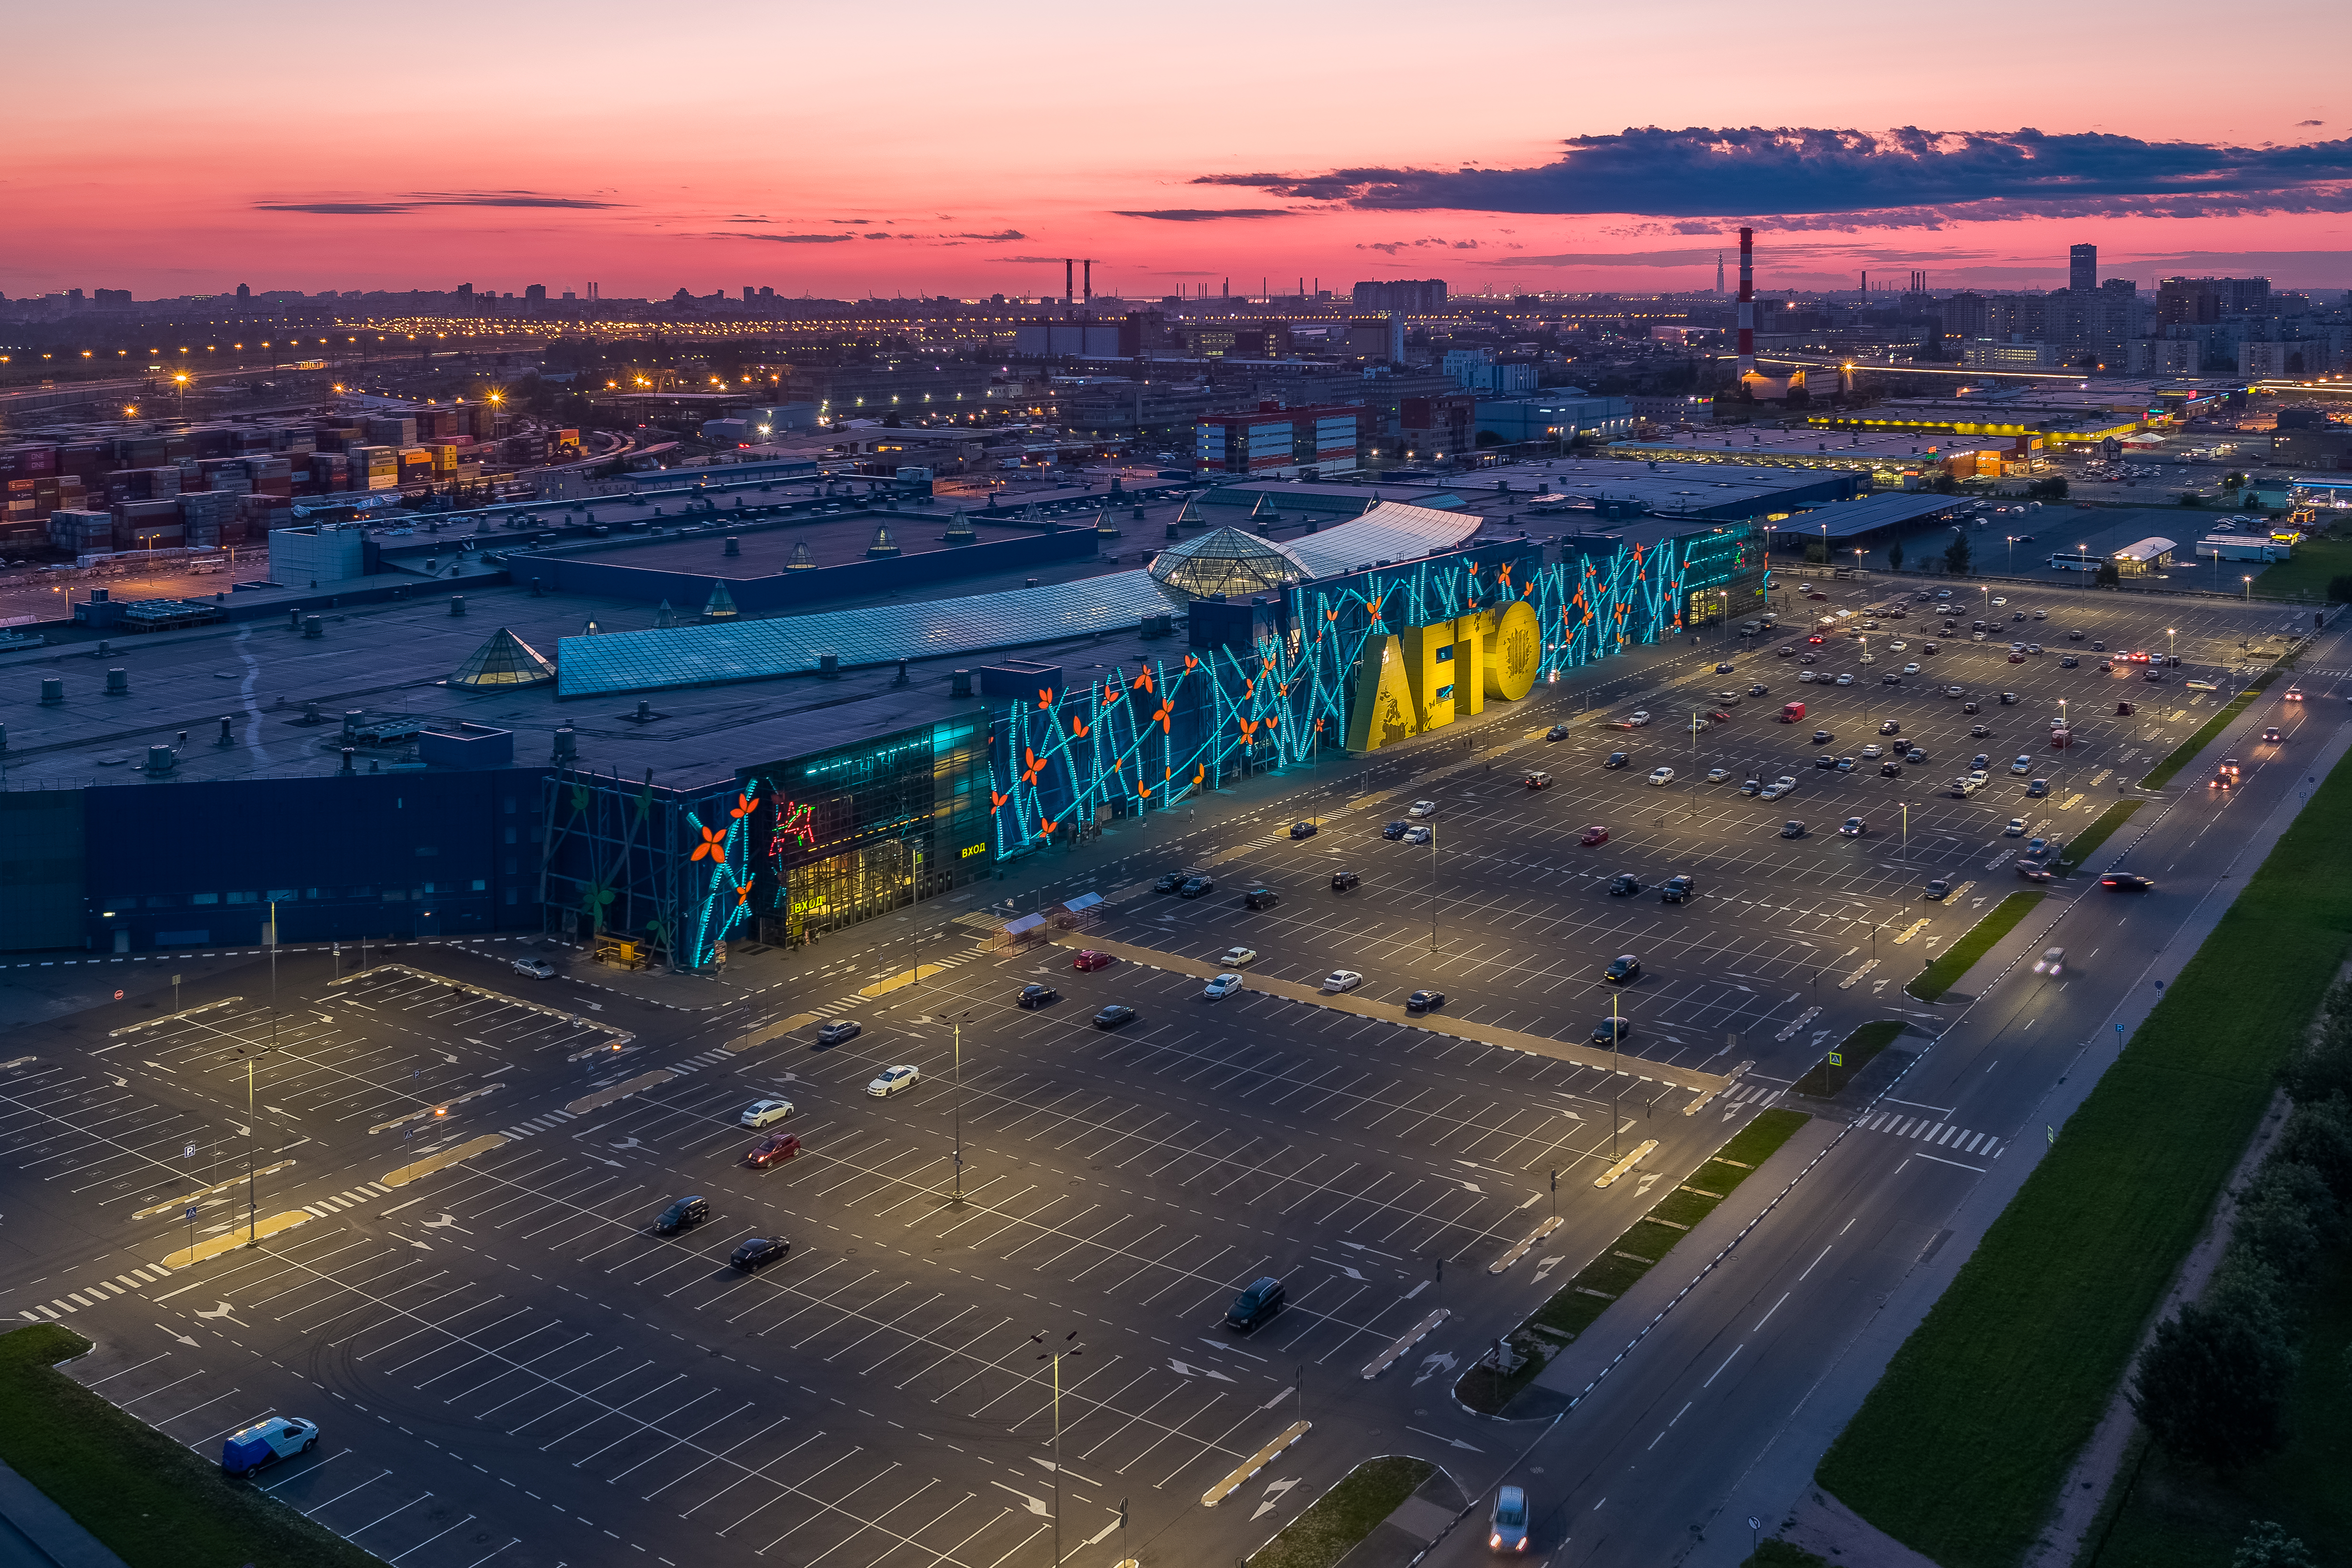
1304 830
1972 707
1891 727
2008 698
1556 732
1890 770
1757 691
1622 969
1609 1031
2070 663
1169 883
1980 731
1341 881
1674 889
1421 1001
838 1032
1115 1015
1822 738
1394 830
1723 669
1616 760
2073 637
1826 760
2125 882
1255 1305
1038 996
1937 889
1915 756
1194 886
1624 883
684 1215
759 1252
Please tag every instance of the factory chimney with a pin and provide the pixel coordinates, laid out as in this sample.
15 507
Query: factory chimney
1746 317
1718 272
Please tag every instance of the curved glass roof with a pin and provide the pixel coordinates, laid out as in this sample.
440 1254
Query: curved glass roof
1227 562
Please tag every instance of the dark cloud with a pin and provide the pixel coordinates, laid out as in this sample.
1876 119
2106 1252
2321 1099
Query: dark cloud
415 202
1208 215
790 239
998 238
1803 177
1622 259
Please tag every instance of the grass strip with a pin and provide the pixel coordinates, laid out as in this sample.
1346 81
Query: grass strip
1854 1053
1621 1265
1960 1447
1774 1553
1343 1516
153 1502
2186 752
1945 972
2079 848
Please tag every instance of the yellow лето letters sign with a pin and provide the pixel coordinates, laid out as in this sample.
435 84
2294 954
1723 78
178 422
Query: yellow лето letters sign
1422 679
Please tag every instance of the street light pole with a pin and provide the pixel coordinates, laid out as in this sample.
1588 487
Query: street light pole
960 1022
1433 884
1616 1079
1055 1357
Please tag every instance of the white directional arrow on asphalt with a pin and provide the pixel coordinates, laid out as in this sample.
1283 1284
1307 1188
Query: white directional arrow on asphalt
447 1219
1449 1442
1176 1365
176 1335
1431 1366
222 1311
1274 1490
1036 1505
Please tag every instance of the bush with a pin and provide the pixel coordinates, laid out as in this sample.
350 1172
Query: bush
2339 588
2051 489
2213 1387
1956 556
2270 1546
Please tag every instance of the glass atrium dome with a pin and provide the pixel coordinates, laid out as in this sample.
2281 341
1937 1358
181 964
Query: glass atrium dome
1229 561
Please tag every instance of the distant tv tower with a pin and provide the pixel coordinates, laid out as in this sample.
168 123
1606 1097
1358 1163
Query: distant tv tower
1718 272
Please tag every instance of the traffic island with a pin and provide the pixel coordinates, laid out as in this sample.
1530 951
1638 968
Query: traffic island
1839 1066
1344 1516
1945 972
146 1497
2080 847
1504 1372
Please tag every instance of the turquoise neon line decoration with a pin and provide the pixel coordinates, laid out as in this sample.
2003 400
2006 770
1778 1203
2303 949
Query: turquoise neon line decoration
725 899
1145 738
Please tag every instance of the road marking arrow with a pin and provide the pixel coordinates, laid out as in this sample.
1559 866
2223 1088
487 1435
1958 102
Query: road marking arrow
176 1335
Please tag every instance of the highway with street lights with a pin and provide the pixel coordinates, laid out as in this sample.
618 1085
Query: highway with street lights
456 1167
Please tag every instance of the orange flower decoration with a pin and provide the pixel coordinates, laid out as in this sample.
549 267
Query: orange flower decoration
713 845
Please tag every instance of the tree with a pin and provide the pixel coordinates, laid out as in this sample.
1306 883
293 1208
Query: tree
2109 575
2339 588
2270 1546
1956 556
1894 555
2213 1387
2051 489
1817 553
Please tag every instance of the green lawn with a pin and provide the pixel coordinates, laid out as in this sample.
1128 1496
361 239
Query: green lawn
152 1501
1854 1053
1958 1449
1344 1515
1625 1260
2179 1516
2080 847
1945 971
2304 576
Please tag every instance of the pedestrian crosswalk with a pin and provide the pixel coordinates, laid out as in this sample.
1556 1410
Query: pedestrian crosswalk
1755 1094
1946 1135
530 1125
350 1198
92 1294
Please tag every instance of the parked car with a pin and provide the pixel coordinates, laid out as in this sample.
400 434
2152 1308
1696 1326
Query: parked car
1223 985
1339 981
1421 809
1036 996
1171 881
1395 830
1196 886
1677 888
1114 1016
838 1032
1261 898
772 1150
1255 1305
684 1214
1594 836
1421 1001
1662 774
1624 885
266 1443
1623 970
891 1080
758 1252
537 968
1089 960
1236 957
1612 1031
1341 881
1539 781
764 1112
1418 835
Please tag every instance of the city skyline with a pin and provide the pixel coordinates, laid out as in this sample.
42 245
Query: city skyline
976 158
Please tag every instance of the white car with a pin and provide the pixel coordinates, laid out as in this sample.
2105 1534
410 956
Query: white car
1872 752
1662 774
1787 781
1845 679
2016 829
762 1112
1237 957
893 1079
537 968
1422 809
1717 775
1339 981
1771 791
1998 602
2052 962
1898 645
1223 986
1911 669
1807 677
1640 718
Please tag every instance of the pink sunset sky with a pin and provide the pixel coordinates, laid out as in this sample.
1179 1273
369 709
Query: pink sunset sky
923 148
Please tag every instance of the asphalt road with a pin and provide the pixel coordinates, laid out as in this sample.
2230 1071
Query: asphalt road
512 1368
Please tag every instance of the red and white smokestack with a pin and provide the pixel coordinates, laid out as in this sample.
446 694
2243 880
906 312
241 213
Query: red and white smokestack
1747 301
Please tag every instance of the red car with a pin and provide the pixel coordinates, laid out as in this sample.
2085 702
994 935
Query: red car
1593 835
1090 959
1817 640
2136 657
772 1150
